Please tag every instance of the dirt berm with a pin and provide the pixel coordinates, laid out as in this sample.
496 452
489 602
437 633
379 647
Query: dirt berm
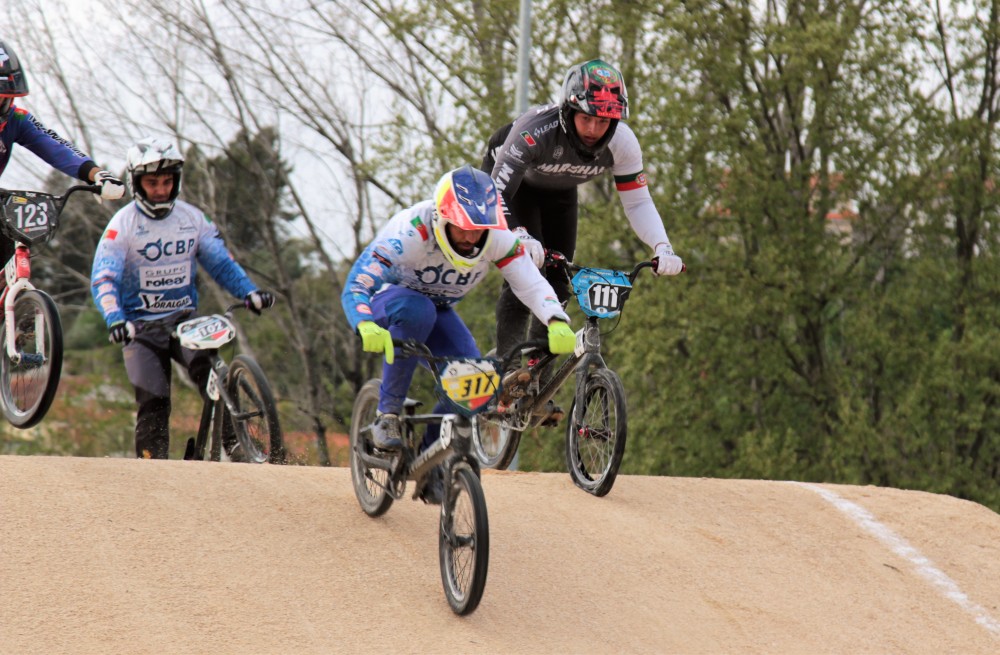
122 556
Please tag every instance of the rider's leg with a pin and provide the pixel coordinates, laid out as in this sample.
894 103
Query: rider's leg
147 362
449 338
407 314
511 314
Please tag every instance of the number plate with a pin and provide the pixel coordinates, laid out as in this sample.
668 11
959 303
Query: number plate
205 332
601 292
469 384
29 217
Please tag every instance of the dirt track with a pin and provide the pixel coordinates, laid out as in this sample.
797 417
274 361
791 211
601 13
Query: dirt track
123 556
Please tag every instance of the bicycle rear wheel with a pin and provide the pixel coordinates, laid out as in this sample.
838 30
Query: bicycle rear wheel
594 447
494 443
464 541
27 387
255 422
370 484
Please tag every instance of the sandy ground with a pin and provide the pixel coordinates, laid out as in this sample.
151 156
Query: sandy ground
123 556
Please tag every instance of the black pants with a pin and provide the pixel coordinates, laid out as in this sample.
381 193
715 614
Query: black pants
147 362
549 215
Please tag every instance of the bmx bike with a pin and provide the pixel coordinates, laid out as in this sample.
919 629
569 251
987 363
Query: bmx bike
597 426
466 385
31 362
239 411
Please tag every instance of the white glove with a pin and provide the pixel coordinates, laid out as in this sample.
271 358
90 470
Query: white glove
111 187
532 246
667 263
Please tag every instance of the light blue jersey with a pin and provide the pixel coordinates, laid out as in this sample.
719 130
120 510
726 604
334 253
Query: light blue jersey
145 269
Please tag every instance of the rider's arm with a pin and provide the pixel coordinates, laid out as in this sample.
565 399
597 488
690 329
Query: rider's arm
53 149
519 152
631 184
218 262
375 268
108 267
524 278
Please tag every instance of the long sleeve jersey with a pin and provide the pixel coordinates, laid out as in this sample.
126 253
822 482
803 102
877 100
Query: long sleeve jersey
145 269
535 150
24 129
405 253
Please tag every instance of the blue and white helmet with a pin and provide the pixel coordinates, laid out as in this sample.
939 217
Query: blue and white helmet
153 155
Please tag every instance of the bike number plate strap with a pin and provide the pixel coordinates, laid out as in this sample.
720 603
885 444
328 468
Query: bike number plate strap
468 384
206 332
29 217
601 292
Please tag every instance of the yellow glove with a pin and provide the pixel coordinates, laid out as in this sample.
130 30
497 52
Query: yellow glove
375 340
562 339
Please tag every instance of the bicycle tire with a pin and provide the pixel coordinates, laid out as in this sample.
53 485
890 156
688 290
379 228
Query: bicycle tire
28 388
258 432
594 448
494 443
464 541
369 484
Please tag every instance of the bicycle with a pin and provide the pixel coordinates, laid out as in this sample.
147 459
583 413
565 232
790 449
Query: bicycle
598 423
467 386
239 412
31 363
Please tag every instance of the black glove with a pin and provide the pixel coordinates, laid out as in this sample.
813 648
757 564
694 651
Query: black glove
256 301
121 332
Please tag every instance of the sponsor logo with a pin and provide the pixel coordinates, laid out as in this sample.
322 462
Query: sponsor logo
109 304
169 277
366 281
527 138
557 153
374 268
539 131
515 151
582 170
363 309
433 275
397 245
157 303
153 251
107 287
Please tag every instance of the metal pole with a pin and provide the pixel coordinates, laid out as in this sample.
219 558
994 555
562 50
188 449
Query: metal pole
521 96
523 59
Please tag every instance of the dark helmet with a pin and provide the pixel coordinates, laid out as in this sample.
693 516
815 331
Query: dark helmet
13 83
595 88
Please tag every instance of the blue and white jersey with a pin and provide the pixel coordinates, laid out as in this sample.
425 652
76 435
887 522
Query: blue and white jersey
145 269
405 253
25 130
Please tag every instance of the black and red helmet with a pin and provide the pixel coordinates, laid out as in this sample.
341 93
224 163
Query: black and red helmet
595 88
13 83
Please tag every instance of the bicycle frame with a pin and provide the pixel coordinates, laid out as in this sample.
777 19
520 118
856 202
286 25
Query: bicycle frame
585 357
17 278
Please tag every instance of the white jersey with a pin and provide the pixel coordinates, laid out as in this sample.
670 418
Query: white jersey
405 253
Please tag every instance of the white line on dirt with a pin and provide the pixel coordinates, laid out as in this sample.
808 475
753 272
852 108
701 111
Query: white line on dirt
901 547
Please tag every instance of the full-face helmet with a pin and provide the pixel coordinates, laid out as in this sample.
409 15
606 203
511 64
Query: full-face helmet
466 198
595 88
13 83
153 155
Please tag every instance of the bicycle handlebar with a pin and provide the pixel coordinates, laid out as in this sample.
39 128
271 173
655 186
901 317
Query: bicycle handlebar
555 259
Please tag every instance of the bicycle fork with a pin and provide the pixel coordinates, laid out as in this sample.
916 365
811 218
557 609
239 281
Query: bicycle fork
17 273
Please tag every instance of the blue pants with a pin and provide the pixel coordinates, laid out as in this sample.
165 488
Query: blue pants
409 314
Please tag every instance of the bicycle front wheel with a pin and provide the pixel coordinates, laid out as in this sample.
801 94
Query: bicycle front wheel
595 446
464 541
255 422
370 484
28 385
